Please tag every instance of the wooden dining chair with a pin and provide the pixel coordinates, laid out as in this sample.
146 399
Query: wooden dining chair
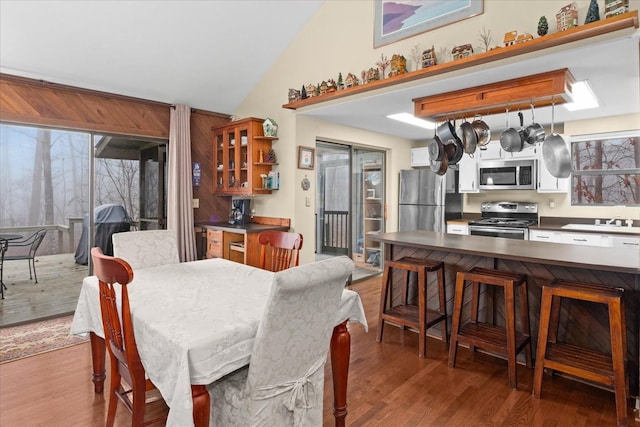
284 383
281 247
118 330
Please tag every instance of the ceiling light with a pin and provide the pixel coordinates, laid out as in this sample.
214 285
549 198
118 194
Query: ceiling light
583 97
412 120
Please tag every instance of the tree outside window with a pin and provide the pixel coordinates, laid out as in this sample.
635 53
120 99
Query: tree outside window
606 169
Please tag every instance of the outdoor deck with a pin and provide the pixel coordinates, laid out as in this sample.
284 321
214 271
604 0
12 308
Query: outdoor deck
55 294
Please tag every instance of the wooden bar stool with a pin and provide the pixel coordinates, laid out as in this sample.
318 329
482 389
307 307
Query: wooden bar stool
579 361
408 315
505 341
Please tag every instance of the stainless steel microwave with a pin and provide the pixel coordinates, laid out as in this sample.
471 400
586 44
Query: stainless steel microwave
507 175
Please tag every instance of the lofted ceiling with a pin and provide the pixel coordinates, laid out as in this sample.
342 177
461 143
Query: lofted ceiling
204 54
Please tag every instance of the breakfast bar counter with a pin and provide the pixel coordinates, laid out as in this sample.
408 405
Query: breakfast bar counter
542 262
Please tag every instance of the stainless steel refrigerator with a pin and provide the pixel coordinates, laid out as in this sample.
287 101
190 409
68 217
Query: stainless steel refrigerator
428 200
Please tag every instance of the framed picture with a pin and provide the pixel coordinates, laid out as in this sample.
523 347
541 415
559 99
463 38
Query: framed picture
398 19
306 157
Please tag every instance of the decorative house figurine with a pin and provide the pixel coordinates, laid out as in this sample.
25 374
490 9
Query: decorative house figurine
331 86
523 38
350 81
462 51
324 88
270 127
615 7
294 95
311 90
510 38
371 75
567 17
429 58
398 65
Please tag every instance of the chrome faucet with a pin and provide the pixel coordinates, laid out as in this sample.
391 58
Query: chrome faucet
610 221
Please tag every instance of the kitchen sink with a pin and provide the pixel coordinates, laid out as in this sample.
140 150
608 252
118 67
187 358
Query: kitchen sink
603 228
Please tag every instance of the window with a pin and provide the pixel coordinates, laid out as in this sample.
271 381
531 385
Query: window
606 169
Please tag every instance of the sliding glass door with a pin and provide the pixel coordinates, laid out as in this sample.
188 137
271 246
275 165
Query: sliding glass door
344 215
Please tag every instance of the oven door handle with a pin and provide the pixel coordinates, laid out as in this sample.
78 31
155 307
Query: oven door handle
497 230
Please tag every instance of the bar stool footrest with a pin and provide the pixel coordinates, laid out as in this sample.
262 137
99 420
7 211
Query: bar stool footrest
407 315
490 337
580 362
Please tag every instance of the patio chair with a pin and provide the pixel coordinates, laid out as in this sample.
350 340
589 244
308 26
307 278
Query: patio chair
31 245
3 249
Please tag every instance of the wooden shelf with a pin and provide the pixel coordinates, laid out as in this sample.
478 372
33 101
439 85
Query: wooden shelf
624 21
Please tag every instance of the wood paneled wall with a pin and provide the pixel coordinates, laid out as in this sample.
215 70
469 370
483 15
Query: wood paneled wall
33 102
211 206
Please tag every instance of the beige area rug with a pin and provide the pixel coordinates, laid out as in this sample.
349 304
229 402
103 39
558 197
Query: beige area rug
17 342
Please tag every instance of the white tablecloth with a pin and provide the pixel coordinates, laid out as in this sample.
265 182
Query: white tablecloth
194 323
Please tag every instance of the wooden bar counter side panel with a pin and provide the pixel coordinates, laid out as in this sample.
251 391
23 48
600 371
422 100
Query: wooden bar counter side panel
626 21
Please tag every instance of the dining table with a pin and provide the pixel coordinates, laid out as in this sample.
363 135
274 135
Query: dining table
195 322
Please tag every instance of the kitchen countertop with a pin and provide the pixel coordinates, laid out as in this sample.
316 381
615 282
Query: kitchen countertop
587 257
556 224
465 219
240 228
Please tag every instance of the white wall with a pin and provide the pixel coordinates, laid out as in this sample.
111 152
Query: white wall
339 38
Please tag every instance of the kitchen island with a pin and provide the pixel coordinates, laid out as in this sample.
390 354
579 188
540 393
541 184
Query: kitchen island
542 263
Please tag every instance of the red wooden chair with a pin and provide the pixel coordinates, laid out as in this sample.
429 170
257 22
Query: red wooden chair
124 358
283 248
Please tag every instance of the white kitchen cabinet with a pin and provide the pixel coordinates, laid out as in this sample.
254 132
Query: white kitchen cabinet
493 151
586 239
544 236
420 157
548 183
468 174
630 242
458 229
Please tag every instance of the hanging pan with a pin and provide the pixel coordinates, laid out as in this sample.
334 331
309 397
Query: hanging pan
468 136
534 133
555 152
511 138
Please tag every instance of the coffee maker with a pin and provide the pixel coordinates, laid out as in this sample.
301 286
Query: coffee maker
240 211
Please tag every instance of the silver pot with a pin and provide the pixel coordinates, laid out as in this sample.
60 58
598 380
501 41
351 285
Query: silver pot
511 138
447 133
483 133
534 133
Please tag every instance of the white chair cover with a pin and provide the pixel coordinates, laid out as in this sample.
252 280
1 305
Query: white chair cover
147 248
284 383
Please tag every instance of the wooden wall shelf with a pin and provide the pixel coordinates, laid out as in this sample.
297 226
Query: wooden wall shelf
539 90
627 20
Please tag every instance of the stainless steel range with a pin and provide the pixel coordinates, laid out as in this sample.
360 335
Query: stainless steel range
505 219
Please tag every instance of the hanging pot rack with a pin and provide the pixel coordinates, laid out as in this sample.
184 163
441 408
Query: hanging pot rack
538 90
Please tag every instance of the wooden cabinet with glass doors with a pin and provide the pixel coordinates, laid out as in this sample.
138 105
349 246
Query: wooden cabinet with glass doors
239 158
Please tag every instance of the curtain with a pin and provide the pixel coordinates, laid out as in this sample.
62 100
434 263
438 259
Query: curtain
180 192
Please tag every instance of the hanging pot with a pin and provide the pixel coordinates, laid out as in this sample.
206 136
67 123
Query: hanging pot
483 133
468 136
440 166
436 149
454 152
511 138
447 133
555 153
534 133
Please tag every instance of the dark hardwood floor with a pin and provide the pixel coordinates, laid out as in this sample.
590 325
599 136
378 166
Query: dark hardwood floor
388 386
